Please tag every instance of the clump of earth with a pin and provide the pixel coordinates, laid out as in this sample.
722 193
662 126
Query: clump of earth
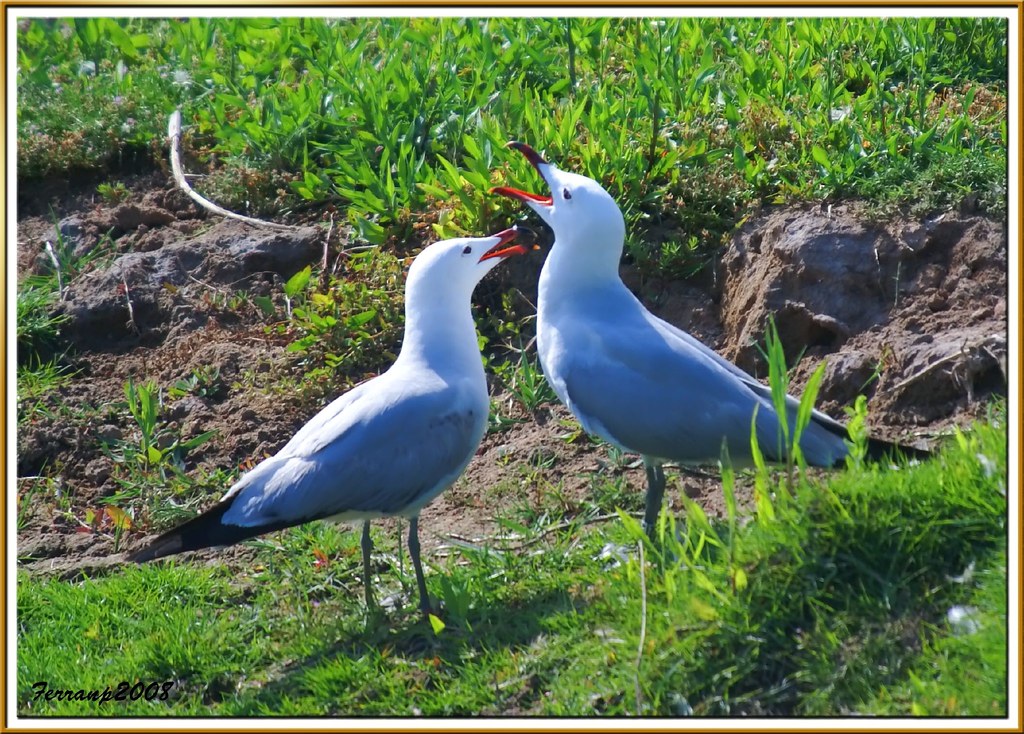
911 313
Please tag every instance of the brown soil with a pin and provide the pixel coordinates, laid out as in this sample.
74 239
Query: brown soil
922 305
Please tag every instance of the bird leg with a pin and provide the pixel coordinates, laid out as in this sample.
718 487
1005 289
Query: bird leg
414 551
655 494
367 545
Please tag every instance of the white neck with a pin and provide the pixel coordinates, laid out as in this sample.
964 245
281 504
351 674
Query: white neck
573 266
441 335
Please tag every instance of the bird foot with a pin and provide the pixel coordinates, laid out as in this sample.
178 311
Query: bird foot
428 610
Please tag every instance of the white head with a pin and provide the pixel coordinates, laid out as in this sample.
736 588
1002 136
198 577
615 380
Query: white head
588 225
448 271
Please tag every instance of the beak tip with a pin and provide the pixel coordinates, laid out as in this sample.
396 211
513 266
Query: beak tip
531 155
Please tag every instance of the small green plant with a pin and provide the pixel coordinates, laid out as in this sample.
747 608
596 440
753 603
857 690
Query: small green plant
791 420
737 573
525 382
143 404
37 383
112 193
349 326
25 498
499 420
204 382
296 287
457 598
157 449
618 460
791 423
856 426
109 518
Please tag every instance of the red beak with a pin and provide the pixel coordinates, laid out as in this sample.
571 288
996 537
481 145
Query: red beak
523 196
536 161
499 250
531 155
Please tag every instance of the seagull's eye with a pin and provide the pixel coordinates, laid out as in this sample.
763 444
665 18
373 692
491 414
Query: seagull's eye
566 194
467 250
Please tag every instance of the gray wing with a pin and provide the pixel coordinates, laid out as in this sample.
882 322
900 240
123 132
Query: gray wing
387 450
661 393
820 420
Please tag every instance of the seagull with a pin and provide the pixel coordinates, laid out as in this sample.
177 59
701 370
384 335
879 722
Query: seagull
391 444
636 381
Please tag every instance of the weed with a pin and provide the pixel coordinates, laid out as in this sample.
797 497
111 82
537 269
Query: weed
143 404
38 323
498 420
36 383
204 382
112 193
158 449
525 382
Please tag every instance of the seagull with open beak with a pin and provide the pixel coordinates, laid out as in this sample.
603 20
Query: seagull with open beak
388 446
633 379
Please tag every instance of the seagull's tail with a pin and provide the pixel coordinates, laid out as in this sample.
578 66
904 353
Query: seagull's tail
878 449
205 531
882 450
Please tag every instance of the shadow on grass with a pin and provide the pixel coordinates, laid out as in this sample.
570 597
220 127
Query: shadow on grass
409 636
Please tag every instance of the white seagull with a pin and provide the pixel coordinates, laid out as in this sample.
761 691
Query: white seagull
636 381
391 444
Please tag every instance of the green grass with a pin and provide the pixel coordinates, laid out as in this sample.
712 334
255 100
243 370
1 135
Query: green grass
38 323
524 381
836 604
936 684
36 383
691 122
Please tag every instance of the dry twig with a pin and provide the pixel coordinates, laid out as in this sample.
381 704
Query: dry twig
965 356
56 266
490 540
131 310
174 133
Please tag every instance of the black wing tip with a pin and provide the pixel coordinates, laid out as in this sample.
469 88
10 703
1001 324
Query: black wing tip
164 545
878 449
881 450
203 531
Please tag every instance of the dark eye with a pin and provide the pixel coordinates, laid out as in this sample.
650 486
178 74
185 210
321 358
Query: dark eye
566 194
467 250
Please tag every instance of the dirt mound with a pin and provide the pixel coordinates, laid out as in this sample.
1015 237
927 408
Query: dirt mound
920 305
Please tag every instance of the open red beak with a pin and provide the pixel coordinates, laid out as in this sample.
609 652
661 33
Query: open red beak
499 250
523 196
536 161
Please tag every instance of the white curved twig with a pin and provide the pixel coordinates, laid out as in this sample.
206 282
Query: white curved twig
174 133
